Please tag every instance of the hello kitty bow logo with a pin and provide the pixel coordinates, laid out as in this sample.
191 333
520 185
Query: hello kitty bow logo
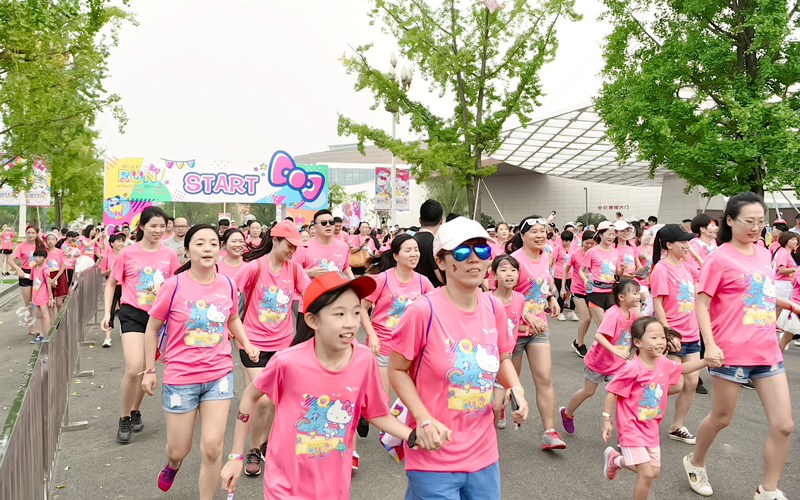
283 171
348 407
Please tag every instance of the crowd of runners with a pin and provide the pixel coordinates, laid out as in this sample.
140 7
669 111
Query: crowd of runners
450 309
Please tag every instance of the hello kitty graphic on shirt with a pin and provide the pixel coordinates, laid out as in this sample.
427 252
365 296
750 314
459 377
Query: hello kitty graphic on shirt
536 297
650 403
472 377
686 297
274 304
759 301
150 278
206 324
322 429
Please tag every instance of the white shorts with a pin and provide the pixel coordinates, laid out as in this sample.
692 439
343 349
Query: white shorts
783 289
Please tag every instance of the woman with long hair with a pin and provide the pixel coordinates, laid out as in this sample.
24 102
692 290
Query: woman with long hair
254 231
736 312
199 308
24 252
785 268
536 284
141 269
234 246
578 291
599 271
268 281
398 285
88 243
359 242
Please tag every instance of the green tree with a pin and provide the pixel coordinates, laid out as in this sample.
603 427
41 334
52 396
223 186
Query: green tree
591 219
705 88
488 62
451 195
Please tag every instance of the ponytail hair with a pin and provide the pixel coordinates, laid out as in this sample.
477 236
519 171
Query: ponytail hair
147 214
385 260
659 246
263 248
188 239
621 287
515 243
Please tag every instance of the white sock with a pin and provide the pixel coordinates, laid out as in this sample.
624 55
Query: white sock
618 462
549 430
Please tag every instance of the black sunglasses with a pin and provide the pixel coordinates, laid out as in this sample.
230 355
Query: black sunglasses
324 223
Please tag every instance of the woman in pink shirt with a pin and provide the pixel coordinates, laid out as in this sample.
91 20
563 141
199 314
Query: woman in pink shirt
628 251
268 281
736 311
199 309
24 252
359 242
559 258
577 290
89 241
320 387
673 283
234 247
58 275
785 267
450 347
141 269
603 264
536 284
397 287
6 245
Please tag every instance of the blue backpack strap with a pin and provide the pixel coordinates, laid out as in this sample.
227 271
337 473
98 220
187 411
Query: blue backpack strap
177 281
427 332
230 282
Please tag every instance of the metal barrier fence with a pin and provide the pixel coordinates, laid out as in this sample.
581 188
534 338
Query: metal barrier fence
39 413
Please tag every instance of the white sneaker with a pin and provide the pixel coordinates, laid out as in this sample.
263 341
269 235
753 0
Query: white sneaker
561 317
501 424
573 316
797 342
107 342
769 495
698 480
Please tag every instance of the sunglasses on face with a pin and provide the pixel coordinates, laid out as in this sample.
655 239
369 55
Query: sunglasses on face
324 223
482 250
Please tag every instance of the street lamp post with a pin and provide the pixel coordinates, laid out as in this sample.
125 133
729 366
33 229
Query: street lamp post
405 83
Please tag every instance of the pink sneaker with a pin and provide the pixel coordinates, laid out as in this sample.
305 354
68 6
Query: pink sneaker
552 440
610 469
167 477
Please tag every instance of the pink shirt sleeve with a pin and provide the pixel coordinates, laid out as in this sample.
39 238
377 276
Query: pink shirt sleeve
659 278
118 273
301 281
380 281
245 275
710 278
160 309
675 373
623 381
427 286
270 380
174 263
504 343
408 338
608 327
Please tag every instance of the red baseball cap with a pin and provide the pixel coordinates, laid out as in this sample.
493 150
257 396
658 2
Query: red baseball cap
327 282
285 229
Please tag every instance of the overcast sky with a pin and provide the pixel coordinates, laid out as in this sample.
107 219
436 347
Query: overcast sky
237 80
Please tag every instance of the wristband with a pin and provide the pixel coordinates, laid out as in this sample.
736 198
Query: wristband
520 389
149 370
234 456
425 422
412 438
607 415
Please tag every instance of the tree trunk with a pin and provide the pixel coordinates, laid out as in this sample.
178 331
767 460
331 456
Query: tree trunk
473 199
59 212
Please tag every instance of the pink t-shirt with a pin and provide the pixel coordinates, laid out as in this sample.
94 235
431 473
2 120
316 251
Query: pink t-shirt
534 283
774 246
796 288
268 317
575 262
676 285
86 246
140 272
357 240
514 311
602 265
742 291
333 257
642 399
71 253
560 257
108 261
617 328
627 257
310 453
702 250
6 240
41 292
55 258
226 270
454 376
783 258
389 301
24 252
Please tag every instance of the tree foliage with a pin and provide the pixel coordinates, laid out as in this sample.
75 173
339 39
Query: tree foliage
707 89
591 219
488 62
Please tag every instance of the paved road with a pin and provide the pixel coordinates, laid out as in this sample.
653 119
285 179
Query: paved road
15 348
91 465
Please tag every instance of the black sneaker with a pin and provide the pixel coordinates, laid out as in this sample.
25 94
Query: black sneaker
263 450
580 349
748 385
136 421
252 466
700 389
124 432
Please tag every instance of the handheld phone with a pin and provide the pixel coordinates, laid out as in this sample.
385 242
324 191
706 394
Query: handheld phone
514 402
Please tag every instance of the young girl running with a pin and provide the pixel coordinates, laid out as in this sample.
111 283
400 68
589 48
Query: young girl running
234 245
320 387
736 311
71 253
603 263
639 393
42 296
628 251
506 270
199 308
672 283
24 252
706 230
610 350
560 257
141 269
536 284
578 290
268 282
57 280
6 245
448 350
397 287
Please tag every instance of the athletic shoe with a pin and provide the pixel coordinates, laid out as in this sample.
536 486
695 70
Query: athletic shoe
107 342
572 316
37 339
684 435
700 389
136 421
579 349
797 342
552 440
263 450
252 466
698 480
167 477
124 432
569 423
501 424
561 317
355 460
769 495
610 456
748 385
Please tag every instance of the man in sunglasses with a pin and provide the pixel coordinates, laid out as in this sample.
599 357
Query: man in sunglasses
324 252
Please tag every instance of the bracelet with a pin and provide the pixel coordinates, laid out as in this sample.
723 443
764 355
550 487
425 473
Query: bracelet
234 456
520 389
425 422
607 415
149 370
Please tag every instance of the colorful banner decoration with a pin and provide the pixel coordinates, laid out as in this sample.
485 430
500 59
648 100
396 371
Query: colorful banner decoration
383 188
353 213
301 216
403 176
39 193
117 211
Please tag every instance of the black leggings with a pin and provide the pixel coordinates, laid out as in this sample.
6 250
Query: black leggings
571 304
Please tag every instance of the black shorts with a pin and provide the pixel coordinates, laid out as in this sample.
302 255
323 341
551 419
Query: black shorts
5 252
263 359
115 303
132 319
25 282
579 296
70 274
604 300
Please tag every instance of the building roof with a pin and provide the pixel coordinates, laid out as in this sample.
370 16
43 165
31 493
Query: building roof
570 143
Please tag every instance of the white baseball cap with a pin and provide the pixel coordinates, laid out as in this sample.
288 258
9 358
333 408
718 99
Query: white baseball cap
457 231
605 225
621 225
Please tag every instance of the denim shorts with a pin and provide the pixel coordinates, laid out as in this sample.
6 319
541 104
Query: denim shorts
523 341
482 484
596 377
383 360
185 398
688 348
744 374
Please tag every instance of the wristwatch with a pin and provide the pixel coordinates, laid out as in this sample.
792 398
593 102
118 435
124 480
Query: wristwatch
412 438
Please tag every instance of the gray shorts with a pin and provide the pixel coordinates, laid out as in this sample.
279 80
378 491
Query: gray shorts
594 377
522 342
383 360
